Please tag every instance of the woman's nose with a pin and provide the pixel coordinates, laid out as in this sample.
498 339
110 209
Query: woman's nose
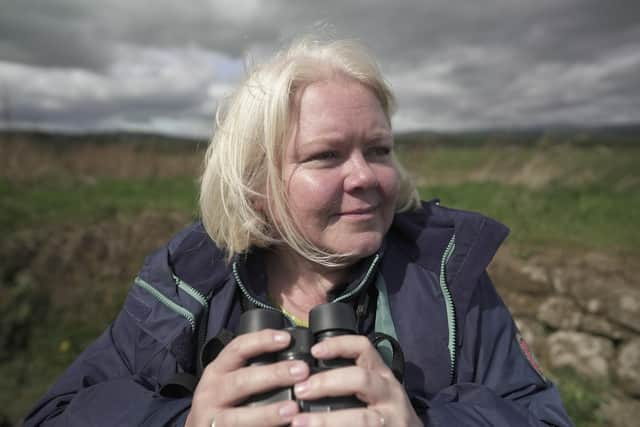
359 173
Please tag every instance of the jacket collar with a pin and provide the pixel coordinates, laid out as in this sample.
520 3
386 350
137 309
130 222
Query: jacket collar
421 235
252 276
193 257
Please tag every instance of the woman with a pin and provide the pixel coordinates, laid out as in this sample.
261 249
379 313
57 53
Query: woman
303 203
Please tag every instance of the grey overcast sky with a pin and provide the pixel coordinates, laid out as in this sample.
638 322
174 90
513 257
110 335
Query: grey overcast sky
162 65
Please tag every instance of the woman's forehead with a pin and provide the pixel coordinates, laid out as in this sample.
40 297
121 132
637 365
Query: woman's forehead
338 107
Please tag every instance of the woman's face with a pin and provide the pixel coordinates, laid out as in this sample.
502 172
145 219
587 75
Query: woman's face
338 172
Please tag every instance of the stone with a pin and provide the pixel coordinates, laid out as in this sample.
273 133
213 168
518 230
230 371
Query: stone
520 304
593 305
620 411
598 325
588 355
535 274
612 296
560 313
558 279
628 367
623 306
514 274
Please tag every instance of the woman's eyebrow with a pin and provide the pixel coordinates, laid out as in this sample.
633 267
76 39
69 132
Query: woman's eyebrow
324 140
381 134
336 138
378 137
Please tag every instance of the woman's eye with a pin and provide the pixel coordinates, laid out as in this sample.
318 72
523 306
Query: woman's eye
381 151
325 155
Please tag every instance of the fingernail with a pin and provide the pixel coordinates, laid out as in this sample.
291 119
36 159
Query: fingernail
319 350
300 421
298 370
288 409
280 336
301 388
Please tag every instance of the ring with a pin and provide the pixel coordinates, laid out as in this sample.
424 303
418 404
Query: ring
213 422
380 417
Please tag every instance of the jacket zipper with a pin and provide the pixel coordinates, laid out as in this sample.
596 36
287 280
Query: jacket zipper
175 307
449 306
363 282
253 300
194 293
260 304
198 296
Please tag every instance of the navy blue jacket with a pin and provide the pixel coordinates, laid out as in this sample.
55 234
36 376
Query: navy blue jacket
464 362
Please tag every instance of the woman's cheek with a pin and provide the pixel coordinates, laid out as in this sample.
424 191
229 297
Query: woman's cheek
389 182
314 197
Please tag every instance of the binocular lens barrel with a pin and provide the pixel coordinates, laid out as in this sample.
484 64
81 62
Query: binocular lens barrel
259 319
332 319
325 320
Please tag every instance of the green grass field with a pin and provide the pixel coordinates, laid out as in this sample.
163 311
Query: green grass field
590 216
549 195
563 195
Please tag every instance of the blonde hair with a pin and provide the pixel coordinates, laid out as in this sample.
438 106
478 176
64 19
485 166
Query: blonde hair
242 165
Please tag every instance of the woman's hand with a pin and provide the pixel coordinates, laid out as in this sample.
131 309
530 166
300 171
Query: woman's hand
370 380
227 381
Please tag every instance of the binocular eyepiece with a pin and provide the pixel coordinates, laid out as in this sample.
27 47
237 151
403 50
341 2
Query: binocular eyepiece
325 320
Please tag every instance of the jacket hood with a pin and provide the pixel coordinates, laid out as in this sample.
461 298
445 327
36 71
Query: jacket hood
424 234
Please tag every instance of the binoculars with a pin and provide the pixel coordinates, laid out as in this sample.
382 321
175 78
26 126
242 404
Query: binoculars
325 320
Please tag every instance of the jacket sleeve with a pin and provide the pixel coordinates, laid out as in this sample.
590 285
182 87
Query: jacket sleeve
496 382
112 382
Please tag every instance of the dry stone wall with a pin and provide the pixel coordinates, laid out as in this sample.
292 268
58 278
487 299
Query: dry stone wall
583 312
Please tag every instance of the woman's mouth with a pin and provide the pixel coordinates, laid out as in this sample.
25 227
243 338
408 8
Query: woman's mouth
364 212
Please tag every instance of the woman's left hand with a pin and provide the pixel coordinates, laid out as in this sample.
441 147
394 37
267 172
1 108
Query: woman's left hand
370 380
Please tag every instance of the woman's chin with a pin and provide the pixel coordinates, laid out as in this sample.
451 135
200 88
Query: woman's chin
359 248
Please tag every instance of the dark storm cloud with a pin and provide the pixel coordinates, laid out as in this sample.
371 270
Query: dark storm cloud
84 33
453 64
45 33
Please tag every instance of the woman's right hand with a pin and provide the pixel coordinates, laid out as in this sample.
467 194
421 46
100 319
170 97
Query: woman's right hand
227 381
